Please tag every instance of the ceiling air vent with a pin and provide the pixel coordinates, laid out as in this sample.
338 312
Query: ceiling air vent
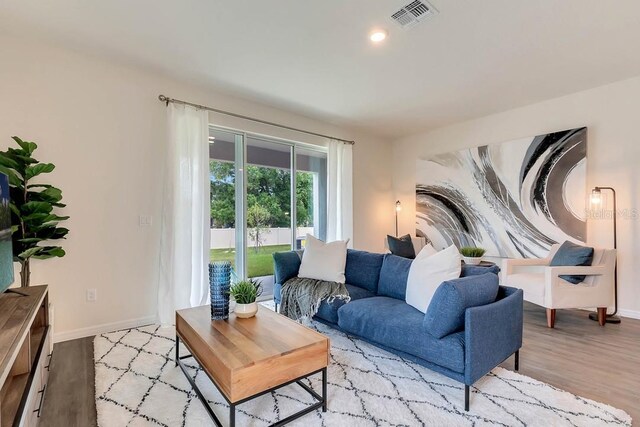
413 13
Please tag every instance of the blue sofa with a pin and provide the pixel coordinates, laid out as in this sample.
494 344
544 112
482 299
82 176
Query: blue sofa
484 335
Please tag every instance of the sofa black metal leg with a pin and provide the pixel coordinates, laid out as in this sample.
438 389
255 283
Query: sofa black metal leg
276 304
517 360
466 397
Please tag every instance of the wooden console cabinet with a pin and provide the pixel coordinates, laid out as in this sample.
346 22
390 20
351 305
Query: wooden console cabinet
25 353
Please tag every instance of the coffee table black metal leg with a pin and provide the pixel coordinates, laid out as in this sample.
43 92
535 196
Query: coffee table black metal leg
232 415
324 390
177 349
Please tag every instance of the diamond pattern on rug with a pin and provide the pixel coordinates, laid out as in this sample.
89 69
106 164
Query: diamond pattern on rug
138 384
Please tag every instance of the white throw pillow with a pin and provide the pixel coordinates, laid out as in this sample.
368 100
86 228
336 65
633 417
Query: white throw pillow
426 251
324 261
427 272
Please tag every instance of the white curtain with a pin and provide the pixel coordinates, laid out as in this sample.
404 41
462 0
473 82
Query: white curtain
184 228
340 192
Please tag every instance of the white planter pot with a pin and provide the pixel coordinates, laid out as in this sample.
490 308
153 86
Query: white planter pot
472 260
246 310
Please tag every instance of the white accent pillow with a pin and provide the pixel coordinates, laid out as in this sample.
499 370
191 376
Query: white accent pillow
426 274
324 261
427 250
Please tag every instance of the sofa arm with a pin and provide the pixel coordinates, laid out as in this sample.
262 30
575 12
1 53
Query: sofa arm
510 264
493 332
570 270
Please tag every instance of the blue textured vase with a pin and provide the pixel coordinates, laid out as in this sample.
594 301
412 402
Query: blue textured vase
219 284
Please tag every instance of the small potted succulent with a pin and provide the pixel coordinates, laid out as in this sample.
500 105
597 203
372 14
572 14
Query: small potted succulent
472 255
245 293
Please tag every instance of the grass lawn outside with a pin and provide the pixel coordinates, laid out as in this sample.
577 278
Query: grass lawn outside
259 263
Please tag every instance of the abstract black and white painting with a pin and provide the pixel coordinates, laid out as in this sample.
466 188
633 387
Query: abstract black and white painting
515 199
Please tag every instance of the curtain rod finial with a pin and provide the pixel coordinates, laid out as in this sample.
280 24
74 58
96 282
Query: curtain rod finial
164 99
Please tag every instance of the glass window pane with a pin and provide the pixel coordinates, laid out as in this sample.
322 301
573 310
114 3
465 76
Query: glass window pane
222 174
311 194
268 206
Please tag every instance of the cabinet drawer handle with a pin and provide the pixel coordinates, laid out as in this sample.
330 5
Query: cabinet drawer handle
48 362
41 393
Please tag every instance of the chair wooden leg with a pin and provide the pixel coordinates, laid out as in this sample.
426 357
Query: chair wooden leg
551 317
602 316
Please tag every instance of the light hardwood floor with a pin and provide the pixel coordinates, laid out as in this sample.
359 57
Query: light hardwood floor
600 363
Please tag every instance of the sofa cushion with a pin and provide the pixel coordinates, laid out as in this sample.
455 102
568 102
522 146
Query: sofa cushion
475 270
446 311
286 265
323 260
329 312
401 246
363 269
393 323
574 255
427 272
393 277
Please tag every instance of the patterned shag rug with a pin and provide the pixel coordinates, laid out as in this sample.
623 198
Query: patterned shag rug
137 384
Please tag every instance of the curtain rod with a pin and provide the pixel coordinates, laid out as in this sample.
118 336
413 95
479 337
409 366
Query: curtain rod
167 100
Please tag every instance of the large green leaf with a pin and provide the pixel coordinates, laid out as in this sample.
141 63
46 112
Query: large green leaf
7 161
30 240
15 209
30 252
36 219
28 147
50 252
50 195
60 233
14 180
37 169
36 207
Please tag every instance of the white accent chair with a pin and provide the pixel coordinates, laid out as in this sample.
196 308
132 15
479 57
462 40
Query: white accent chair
543 286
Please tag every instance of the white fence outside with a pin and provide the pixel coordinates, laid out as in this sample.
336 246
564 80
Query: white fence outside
223 238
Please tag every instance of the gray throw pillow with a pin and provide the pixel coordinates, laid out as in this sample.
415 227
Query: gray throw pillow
401 246
572 255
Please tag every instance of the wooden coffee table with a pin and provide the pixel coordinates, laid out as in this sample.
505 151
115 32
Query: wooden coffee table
246 358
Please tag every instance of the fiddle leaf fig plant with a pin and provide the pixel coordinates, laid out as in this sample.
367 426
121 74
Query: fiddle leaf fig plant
34 221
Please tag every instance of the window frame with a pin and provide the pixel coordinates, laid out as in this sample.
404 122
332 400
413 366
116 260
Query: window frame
240 164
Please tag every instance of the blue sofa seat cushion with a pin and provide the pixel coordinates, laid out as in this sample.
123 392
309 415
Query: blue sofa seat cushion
476 270
393 323
329 312
393 277
574 255
363 269
446 311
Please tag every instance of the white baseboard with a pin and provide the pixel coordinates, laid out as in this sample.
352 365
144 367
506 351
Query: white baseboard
632 314
101 329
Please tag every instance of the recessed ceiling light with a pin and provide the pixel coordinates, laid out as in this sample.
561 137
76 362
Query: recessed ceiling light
377 36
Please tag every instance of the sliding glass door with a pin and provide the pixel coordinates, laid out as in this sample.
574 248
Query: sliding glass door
256 182
226 157
268 205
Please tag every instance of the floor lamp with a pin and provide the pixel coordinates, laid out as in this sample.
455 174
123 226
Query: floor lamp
398 209
596 199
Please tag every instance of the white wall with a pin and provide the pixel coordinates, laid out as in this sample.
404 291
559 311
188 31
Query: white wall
101 124
611 115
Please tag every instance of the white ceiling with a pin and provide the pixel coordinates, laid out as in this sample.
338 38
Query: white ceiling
313 57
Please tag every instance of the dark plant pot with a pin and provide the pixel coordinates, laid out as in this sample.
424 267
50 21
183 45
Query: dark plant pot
219 285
